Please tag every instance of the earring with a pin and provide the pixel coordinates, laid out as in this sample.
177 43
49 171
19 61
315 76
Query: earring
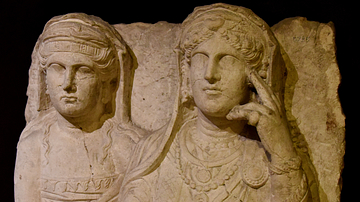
263 70
249 84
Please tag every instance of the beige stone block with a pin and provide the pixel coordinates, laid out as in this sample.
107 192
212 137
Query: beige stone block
311 98
156 77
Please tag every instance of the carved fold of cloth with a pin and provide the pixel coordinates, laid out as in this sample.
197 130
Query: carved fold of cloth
75 190
188 174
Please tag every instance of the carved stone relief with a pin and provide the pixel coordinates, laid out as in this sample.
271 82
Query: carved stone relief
219 108
74 146
157 71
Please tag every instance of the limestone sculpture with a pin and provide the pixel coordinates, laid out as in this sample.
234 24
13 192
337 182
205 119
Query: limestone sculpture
219 108
72 148
230 139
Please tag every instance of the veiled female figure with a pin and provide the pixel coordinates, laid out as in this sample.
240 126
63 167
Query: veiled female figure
73 148
228 139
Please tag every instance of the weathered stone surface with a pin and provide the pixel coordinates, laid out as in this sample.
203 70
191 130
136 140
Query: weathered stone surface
179 165
311 97
156 77
212 94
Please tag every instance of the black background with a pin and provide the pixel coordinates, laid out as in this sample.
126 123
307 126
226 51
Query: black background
21 22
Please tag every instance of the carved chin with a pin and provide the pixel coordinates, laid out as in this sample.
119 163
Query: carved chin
69 109
214 108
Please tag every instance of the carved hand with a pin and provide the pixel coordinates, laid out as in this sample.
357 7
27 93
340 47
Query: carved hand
269 119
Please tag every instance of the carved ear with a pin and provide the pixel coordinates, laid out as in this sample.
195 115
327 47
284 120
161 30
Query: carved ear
109 88
106 95
263 72
44 73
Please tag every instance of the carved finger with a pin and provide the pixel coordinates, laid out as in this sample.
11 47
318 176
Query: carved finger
253 118
265 92
277 102
237 113
242 112
252 106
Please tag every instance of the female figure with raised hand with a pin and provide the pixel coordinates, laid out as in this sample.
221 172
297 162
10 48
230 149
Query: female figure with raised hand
229 138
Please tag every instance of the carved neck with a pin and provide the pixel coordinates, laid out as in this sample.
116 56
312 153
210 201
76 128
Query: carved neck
87 124
218 127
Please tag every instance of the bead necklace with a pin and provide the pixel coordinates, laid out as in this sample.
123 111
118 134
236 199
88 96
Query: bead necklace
217 145
201 172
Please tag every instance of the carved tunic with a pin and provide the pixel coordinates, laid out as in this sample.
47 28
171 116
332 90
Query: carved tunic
74 165
187 173
80 178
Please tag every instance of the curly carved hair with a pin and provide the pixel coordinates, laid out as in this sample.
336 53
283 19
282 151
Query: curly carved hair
233 33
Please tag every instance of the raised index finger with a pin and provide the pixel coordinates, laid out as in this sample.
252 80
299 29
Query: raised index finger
264 90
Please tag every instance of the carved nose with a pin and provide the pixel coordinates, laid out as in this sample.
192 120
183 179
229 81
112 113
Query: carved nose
211 73
68 84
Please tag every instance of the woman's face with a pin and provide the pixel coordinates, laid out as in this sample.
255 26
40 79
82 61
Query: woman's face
73 84
218 77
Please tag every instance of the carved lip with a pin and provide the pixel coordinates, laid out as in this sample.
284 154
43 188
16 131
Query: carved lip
212 90
68 98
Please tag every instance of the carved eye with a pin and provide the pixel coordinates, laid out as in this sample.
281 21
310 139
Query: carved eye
228 62
199 61
84 72
57 68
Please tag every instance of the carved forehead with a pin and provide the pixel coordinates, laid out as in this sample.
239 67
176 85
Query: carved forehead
70 59
211 47
238 25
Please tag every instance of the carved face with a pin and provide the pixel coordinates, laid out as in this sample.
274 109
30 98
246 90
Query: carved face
218 77
73 84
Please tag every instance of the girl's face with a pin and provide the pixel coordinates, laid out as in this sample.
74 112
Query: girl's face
73 84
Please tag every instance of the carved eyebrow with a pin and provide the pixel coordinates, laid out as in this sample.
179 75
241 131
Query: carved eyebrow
202 53
76 65
87 68
196 51
55 63
217 55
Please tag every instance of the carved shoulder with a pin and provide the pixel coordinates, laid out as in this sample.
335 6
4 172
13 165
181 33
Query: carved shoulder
123 140
131 132
27 168
30 141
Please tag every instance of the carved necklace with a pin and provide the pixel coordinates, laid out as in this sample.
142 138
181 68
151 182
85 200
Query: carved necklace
201 175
